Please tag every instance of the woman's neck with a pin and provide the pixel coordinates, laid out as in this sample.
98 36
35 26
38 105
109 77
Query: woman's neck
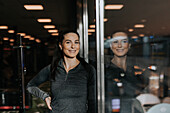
120 62
70 63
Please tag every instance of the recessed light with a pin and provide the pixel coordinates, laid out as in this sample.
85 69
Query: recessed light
91 30
134 37
44 20
114 7
5 38
11 40
27 36
53 31
32 38
38 40
49 26
141 35
130 30
11 31
3 27
55 34
139 26
105 19
33 7
21 34
89 33
92 26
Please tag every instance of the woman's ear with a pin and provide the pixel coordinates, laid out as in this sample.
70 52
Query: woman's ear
129 46
60 46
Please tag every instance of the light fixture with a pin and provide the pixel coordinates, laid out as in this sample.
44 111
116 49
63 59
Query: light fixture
33 7
141 35
32 38
44 20
27 36
139 26
11 40
55 34
114 6
53 31
134 37
91 30
6 38
130 30
3 27
38 40
92 26
21 34
11 31
89 33
105 19
49 26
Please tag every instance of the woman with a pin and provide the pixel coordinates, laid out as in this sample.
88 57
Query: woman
72 79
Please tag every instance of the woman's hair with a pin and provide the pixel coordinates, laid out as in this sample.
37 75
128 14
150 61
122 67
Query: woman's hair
58 53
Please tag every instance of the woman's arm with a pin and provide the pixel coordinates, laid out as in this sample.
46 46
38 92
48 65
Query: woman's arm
40 78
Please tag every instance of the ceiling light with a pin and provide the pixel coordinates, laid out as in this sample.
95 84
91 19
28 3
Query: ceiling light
55 34
38 40
130 30
53 31
134 37
49 26
33 7
21 34
141 35
32 38
89 33
27 36
3 27
92 26
91 30
44 20
5 38
105 19
11 40
139 26
114 6
11 31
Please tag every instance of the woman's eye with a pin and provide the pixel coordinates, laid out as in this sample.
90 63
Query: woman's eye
67 42
125 41
77 42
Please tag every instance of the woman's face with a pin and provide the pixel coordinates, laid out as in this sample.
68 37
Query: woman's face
70 45
120 45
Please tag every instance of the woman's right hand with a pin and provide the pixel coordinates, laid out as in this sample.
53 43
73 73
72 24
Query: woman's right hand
48 102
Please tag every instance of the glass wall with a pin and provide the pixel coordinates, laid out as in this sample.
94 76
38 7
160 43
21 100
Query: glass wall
137 60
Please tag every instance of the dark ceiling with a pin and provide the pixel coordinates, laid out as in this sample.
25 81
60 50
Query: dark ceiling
15 16
154 14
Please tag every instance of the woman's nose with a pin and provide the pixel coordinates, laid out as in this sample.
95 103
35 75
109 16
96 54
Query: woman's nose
72 45
119 44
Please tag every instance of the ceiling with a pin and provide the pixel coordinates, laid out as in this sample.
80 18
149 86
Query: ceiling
154 14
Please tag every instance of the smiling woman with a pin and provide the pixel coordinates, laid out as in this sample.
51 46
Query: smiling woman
72 79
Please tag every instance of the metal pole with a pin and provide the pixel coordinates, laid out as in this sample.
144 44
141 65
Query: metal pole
21 72
100 55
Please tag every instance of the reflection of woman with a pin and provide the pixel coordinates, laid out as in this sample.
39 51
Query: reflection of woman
72 79
121 71
120 75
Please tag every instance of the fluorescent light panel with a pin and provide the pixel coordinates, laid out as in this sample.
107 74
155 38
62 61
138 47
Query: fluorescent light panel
49 26
53 31
3 27
92 26
139 26
33 7
44 20
21 34
91 30
55 34
11 31
130 30
114 7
